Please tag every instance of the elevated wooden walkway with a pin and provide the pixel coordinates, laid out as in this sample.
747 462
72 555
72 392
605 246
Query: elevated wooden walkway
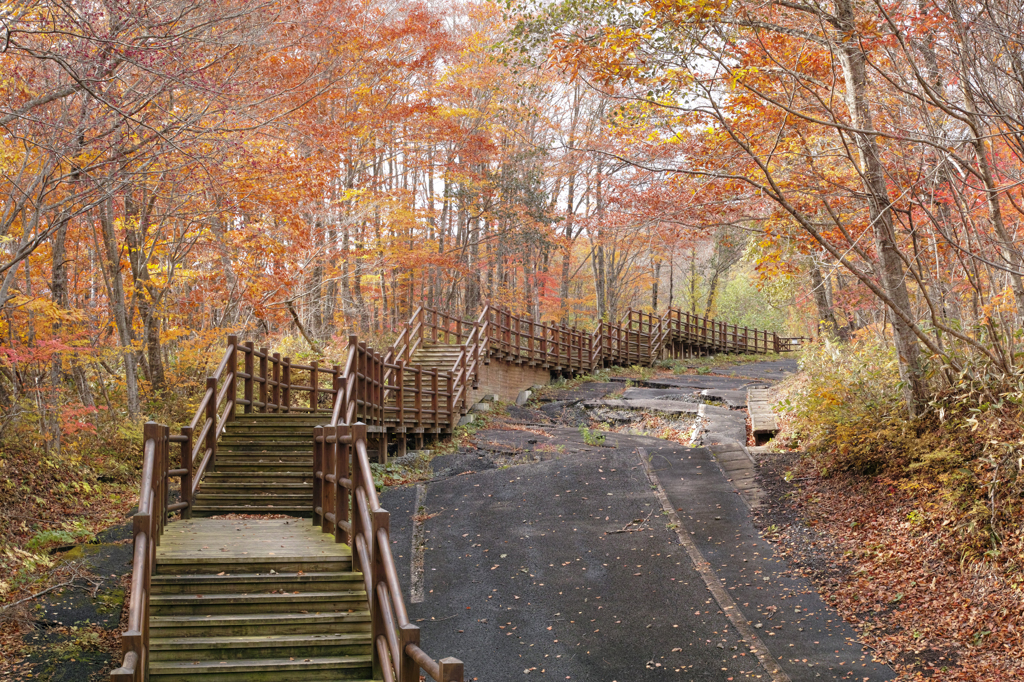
251 598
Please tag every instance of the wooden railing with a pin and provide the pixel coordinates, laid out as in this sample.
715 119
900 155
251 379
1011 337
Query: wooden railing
379 393
346 505
792 343
519 340
147 527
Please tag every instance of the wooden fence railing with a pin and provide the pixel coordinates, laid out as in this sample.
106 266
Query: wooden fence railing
518 340
346 505
374 392
147 527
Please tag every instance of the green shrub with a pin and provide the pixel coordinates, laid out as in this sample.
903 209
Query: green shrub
848 413
592 438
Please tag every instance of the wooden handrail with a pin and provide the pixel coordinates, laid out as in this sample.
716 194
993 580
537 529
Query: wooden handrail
147 527
396 651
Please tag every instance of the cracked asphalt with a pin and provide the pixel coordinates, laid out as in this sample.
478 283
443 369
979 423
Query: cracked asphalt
567 566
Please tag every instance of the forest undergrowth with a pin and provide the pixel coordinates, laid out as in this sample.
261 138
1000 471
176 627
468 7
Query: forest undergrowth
920 519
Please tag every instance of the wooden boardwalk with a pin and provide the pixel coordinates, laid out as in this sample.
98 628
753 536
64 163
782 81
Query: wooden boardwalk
763 424
224 599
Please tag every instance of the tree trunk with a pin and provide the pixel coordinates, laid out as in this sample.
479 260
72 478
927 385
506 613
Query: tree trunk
145 294
118 306
826 317
654 285
59 294
873 177
563 289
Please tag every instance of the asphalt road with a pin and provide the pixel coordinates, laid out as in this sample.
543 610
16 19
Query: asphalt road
568 568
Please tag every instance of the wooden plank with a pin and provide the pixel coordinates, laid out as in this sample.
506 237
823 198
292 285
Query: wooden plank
763 423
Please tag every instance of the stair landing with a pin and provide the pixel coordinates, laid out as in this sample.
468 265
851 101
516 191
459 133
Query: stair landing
245 540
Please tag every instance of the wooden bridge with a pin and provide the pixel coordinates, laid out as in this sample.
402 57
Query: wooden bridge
259 594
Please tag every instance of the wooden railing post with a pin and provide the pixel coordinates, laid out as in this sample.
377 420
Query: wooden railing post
286 379
400 398
165 480
433 397
775 341
319 479
378 401
265 353
186 478
451 670
463 369
329 491
408 670
381 520
418 373
211 415
314 382
450 405
276 389
248 364
343 469
361 368
232 369
358 431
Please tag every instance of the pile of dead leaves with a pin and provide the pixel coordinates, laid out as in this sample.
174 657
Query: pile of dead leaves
884 556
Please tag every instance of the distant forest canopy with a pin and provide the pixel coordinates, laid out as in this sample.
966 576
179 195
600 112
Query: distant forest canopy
176 170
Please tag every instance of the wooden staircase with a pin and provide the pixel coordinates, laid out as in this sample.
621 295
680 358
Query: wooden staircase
441 357
264 465
256 600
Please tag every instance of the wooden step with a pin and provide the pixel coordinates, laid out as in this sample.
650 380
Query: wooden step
239 625
763 424
295 439
292 418
255 488
235 466
207 583
278 670
300 459
204 509
225 648
290 602
255 599
255 477
247 497
288 562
